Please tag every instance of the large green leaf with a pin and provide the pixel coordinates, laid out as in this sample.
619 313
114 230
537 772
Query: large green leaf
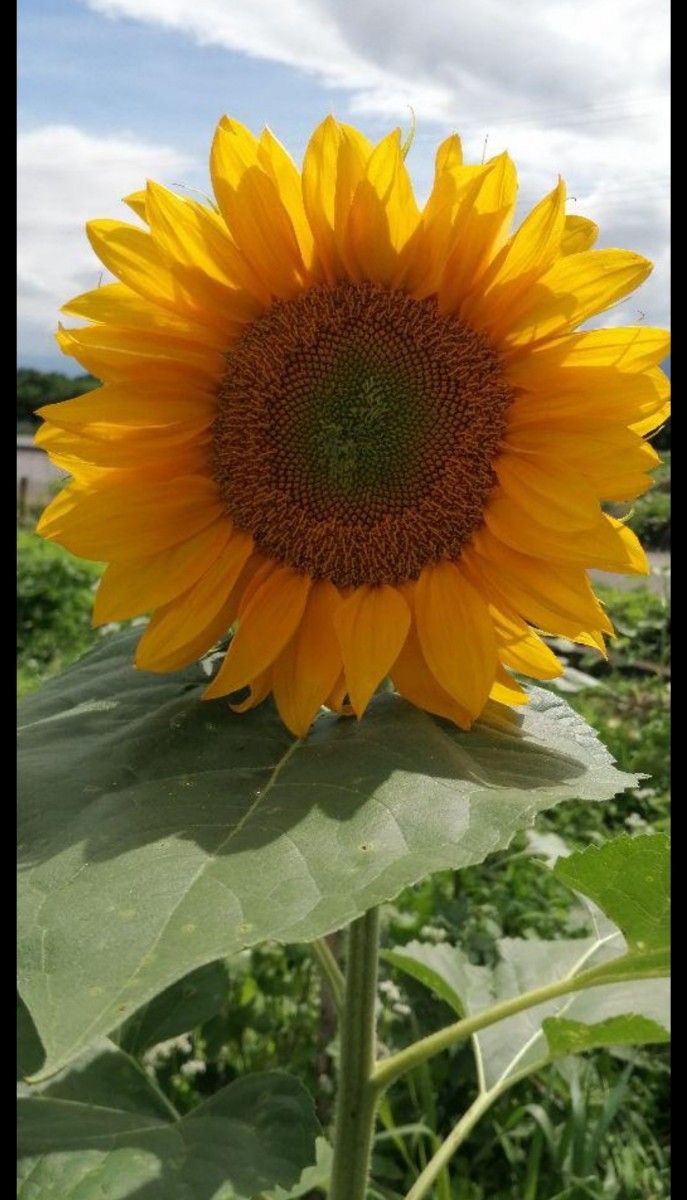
181 1007
100 1129
158 833
629 878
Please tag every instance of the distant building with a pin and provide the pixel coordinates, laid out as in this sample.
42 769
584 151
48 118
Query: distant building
34 466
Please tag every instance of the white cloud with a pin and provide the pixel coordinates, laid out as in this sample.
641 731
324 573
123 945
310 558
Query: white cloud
65 177
571 86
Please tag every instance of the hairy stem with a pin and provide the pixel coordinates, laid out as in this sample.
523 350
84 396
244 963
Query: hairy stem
356 1104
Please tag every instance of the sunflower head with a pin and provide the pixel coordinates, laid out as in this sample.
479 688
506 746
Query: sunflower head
364 433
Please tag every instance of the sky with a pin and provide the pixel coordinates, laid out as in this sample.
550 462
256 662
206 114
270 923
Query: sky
112 92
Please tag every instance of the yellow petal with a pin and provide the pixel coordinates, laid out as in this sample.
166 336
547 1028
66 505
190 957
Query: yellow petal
506 690
137 260
137 203
257 691
172 635
520 648
283 171
589 399
139 585
536 588
255 215
577 287
132 521
544 490
265 627
307 670
371 625
117 304
613 460
556 363
383 214
579 234
142 446
201 258
333 166
413 679
481 229
336 700
529 253
112 353
117 410
456 635
607 546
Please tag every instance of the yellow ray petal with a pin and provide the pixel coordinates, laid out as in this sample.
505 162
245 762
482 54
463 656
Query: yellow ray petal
537 588
137 260
371 625
608 546
579 234
383 214
200 257
128 589
307 670
648 424
117 410
132 521
423 259
613 461
114 354
255 215
592 398
117 304
456 635
143 446
578 286
257 691
506 690
557 363
281 168
413 679
336 700
520 648
533 248
333 166
544 490
265 627
136 201
172 635
481 229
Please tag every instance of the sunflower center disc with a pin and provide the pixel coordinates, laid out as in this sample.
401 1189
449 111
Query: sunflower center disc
355 433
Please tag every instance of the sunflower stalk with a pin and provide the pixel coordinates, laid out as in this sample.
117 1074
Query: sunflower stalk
356 1107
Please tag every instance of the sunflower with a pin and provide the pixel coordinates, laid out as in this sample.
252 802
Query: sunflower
363 433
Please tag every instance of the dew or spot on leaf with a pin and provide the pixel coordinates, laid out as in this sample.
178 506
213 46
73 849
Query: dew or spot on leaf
127 914
96 990
188 928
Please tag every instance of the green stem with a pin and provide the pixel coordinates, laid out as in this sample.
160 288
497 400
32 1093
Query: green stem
465 1126
356 1104
389 1069
329 967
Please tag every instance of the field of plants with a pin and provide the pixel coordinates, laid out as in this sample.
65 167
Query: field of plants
591 1127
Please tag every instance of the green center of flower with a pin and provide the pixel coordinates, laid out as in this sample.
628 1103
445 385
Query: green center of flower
355 433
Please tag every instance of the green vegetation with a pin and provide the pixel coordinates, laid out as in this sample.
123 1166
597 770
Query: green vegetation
587 1128
55 600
